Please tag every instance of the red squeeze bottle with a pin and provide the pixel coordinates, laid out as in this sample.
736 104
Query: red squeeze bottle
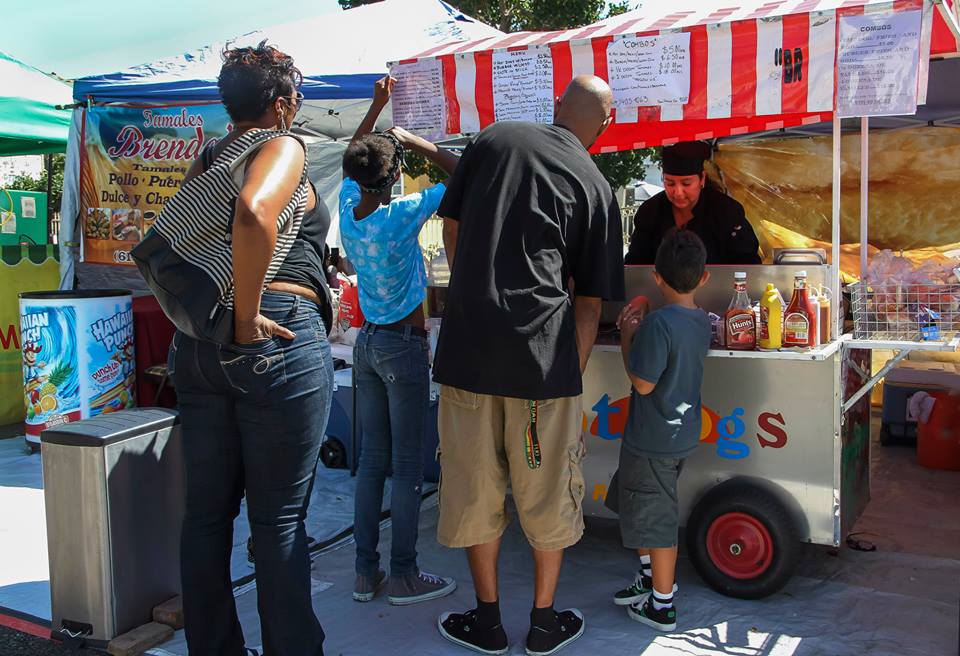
800 329
739 322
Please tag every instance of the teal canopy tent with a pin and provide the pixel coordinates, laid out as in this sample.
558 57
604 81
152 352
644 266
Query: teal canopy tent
30 122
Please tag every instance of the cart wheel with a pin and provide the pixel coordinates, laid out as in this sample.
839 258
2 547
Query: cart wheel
742 541
333 454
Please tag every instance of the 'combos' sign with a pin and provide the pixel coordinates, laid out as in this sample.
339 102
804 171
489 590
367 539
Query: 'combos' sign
728 433
134 159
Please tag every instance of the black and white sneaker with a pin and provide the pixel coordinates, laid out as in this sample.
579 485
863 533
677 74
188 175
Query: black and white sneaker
664 619
638 591
462 629
569 626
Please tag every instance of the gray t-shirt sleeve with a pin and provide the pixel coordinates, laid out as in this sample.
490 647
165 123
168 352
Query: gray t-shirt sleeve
650 351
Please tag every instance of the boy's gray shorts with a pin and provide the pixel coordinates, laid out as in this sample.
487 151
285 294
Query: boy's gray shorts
649 512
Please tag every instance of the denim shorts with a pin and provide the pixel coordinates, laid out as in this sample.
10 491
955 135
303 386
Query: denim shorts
649 511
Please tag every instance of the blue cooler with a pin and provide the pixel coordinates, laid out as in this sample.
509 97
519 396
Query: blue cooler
903 381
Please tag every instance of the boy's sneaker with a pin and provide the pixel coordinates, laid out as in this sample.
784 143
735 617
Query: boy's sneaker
462 629
366 587
664 619
569 626
418 586
638 591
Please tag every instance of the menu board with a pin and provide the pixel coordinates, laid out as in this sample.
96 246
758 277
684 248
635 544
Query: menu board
878 64
651 70
523 85
417 99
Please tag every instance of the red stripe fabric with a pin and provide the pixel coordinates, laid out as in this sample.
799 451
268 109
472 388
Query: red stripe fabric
743 74
806 6
670 20
545 37
625 27
562 66
719 15
796 39
942 40
648 133
449 64
764 10
600 56
907 5
484 88
699 53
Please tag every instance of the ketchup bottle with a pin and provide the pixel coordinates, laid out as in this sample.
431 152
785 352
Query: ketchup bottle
739 323
801 320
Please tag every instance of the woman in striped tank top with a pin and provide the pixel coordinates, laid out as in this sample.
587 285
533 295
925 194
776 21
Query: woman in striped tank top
254 412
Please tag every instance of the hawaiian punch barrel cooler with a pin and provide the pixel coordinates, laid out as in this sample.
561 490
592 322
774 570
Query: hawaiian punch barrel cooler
78 356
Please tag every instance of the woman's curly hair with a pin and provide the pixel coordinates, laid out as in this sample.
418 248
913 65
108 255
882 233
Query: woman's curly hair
251 79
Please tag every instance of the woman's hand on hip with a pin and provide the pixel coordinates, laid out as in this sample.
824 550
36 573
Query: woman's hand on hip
259 329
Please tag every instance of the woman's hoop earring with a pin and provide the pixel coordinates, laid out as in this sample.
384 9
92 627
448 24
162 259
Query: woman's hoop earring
283 121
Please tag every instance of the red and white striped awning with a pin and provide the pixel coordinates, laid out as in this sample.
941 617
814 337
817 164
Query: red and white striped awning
736 82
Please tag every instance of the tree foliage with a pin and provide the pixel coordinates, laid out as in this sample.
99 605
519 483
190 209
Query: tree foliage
542 15
24 182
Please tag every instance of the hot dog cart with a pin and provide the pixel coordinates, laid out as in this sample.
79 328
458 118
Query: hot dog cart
784 455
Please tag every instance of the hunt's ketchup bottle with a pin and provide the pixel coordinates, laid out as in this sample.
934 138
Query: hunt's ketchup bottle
800 321
739 323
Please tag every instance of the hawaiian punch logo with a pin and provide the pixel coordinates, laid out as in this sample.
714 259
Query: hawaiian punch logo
726 433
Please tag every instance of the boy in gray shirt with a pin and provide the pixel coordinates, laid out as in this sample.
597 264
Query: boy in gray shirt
663 354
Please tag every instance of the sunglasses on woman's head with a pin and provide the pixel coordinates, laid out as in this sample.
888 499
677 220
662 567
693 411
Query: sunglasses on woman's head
296 101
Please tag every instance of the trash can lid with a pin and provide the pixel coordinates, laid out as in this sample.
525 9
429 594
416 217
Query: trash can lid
58 295
110 428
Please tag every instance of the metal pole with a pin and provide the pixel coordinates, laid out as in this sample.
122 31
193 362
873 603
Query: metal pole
836 314
864 193
48 163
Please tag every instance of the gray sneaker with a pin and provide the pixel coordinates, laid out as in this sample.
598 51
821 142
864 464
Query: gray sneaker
366 588
419 586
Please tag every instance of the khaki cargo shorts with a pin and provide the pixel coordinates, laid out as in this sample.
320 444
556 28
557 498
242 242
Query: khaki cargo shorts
484 447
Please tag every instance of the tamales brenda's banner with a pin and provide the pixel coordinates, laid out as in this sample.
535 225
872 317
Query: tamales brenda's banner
134 159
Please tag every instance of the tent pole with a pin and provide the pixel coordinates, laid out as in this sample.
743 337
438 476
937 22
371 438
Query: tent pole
836 314
864 192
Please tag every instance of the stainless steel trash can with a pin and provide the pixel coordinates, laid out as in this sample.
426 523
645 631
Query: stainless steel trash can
114 495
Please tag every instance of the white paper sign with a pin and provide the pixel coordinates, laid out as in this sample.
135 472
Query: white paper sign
523 85
28 207
647 71
418 103
878 63
8 223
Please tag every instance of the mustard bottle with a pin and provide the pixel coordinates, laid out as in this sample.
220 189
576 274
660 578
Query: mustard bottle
771 319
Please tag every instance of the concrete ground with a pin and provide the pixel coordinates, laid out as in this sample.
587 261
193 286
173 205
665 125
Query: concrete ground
912 519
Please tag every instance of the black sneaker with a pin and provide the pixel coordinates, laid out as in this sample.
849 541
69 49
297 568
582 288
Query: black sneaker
461 629
664 619
638 591
569 626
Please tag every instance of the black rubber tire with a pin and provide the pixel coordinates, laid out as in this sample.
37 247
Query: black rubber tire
763 506
333 454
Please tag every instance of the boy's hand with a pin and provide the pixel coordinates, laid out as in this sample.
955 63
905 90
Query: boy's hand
628 322
382 89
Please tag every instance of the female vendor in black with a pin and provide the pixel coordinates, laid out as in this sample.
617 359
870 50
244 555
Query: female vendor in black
688 202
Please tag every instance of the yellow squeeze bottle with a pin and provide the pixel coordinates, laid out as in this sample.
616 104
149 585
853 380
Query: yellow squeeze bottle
771 319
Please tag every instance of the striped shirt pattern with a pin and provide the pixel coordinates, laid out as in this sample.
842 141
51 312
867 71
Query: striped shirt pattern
198 220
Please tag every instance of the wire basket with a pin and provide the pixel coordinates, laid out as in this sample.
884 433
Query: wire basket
905 312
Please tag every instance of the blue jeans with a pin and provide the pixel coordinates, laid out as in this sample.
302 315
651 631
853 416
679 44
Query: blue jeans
393 392
253 418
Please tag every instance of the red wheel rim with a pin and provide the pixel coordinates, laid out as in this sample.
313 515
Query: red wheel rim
740 545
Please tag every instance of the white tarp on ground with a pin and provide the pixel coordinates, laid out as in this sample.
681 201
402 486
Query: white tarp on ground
886 603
